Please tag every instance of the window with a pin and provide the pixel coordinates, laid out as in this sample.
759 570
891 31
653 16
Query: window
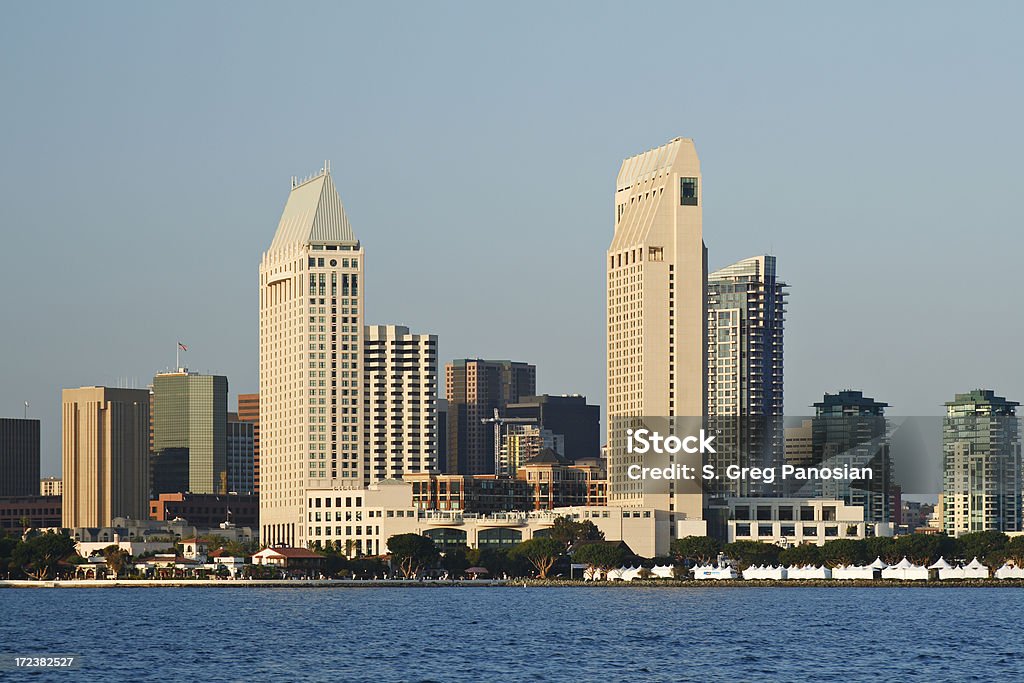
742 530
688 191
655 253
764 529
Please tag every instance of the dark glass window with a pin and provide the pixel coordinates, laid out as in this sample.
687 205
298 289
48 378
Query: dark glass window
688 191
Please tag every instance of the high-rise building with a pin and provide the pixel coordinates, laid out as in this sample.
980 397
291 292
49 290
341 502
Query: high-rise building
240 448
249 411
105 455
849 429
19 457
656 322
51 486
189 433
399 401
521 443
475 388
311 320
981 464
578 422
746 312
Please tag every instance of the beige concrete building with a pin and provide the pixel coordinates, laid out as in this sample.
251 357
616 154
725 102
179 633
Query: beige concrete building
399 401
796 521
311 322
656 323
361 522
51 486
105 455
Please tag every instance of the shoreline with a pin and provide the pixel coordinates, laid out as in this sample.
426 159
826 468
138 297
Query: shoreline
499 583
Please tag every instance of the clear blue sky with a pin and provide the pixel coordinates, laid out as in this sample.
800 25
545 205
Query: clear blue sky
147 148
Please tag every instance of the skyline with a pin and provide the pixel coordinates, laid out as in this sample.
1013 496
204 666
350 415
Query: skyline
160 241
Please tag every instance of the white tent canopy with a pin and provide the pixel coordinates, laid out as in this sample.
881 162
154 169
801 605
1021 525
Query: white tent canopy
878 564
940 564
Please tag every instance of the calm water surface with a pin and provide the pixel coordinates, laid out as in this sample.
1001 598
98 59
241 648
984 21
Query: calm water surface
529 634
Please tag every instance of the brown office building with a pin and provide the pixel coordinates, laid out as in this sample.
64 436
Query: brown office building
249 411
207 510
40 512
105 455
475 389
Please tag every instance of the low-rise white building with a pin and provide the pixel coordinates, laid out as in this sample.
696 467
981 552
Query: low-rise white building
794 521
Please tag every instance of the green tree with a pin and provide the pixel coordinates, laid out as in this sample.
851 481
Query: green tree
881 546
541 552
748 553
920 549
411 552
801 555
844 551
455 560
982 545
116 559
39 556
567 531
698 549
603 556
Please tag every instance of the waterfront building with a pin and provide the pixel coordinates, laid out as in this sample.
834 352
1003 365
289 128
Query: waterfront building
361 522
121 530
656 268
795 521
19 457
311 371
105 446
399 401
207 510
51 486
241 446
570 416
475 389
189 433
981 453
249 411
746 312
850 430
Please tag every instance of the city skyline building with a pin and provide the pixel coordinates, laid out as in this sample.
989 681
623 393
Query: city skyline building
849 429
400 402
746 315
475 389
656 268
249 411
19 456
189 433
570 416
239 458
311 324
981 453
51 486
105 454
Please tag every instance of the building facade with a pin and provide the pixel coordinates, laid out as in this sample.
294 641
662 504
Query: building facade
207 510
189 433
249 411
746 313
656 268
241 448
311 323
578 422
795 521
399 401
850 429
981 464
105 453
474 389
19 457
51 486
35 512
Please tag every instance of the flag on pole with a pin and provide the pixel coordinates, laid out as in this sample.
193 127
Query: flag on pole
182 346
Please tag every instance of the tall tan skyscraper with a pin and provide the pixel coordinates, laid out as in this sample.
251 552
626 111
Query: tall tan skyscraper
311 319
400 401
657 327
105 455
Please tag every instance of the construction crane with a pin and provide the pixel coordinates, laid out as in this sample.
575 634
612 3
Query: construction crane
498 421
